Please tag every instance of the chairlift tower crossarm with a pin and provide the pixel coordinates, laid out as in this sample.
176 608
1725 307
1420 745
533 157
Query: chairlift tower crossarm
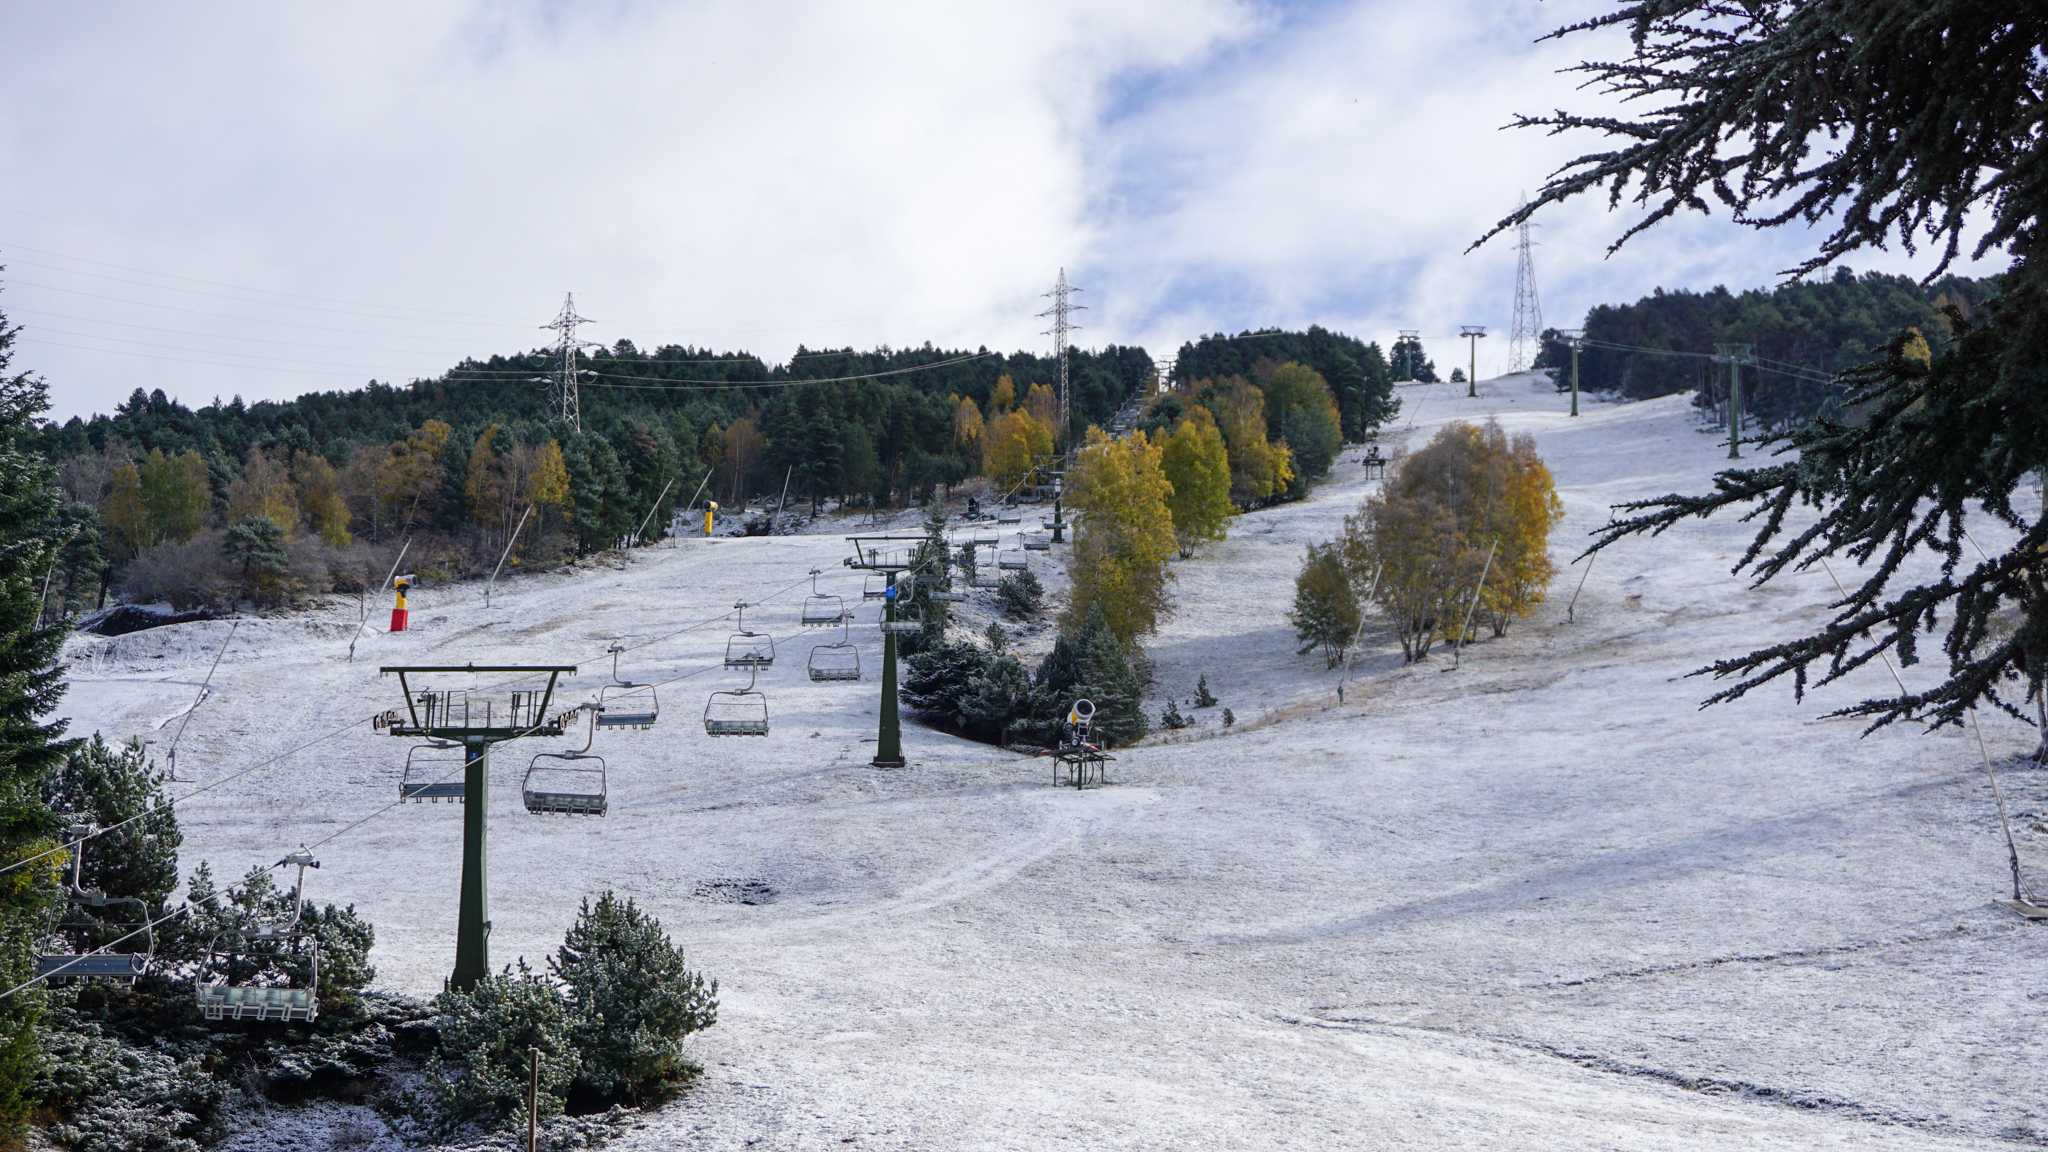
432 715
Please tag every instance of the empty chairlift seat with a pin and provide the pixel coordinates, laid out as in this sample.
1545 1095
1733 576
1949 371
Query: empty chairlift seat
433 772
836 661
570 783
624 704
748 650
1012 561
228 1002
820 610
1038 542
270 971
120 967
737 713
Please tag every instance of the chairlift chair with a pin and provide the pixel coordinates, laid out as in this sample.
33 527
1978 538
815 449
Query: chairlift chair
1012 561
986 539
1038 542
838 661
821 610
1009 515
900 627
984 578
876 587
95 963
237 955
624 704
433 772
574 785
741 713
749 650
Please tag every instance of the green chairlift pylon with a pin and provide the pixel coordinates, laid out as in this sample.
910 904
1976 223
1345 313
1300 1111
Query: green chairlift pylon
891 556
450 715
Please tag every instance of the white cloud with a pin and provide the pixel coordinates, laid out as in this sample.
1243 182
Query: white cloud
425 180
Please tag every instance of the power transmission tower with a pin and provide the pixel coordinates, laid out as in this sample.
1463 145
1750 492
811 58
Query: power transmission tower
1527 337
1058 332
566 344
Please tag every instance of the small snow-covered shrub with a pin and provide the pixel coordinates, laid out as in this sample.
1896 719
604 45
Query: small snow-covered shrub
632 1002
479 1072
1020 594
1203 697
117 1097
1171 717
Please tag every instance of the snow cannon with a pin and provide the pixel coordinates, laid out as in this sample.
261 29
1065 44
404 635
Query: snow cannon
710 510
398 613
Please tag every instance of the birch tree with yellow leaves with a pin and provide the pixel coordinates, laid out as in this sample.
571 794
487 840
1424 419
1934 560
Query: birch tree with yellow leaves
1123 535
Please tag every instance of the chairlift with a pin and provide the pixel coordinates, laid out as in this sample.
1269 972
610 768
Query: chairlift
1009 515
1012 561
876 588
821 610
838 661
984 578
749 650
94 963
986 539
431 773
624 704
574 785
1038 542
238 957
741 713
900 627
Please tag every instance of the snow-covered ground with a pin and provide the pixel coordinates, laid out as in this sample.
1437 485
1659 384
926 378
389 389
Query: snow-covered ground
1543 902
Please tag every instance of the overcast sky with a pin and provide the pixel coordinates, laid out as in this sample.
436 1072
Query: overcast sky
270 199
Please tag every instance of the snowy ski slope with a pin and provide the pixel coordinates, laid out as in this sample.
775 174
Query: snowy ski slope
1542 903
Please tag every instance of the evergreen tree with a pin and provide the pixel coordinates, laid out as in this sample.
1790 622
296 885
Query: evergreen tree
1408 362
106 786
1087 660
255 547
479 1071
1944 97
30 746
1380 405
632 1001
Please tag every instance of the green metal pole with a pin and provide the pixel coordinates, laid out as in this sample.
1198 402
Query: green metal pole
1472 369
473 922
1057 523
1575 377
889 739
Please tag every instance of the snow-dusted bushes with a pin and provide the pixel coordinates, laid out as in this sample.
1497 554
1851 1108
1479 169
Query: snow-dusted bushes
987 696
609 1021
632 1001
120 1097
1020 594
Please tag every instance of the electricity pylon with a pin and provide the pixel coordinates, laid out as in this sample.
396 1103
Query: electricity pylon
1058 332
1528 329
566 344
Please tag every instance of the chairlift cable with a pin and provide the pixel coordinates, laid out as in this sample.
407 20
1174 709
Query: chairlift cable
199 699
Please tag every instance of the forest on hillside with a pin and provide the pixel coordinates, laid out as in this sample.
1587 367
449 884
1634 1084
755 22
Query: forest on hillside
265 503
1802 335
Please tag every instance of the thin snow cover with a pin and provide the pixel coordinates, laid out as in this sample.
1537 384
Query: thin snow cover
1542 902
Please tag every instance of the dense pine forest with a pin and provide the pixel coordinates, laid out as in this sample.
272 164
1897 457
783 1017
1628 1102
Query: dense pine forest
1803 334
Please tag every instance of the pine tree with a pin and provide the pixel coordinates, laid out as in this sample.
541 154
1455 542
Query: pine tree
1944 99
633 1000
30 746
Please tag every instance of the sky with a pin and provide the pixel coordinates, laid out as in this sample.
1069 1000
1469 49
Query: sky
266 200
